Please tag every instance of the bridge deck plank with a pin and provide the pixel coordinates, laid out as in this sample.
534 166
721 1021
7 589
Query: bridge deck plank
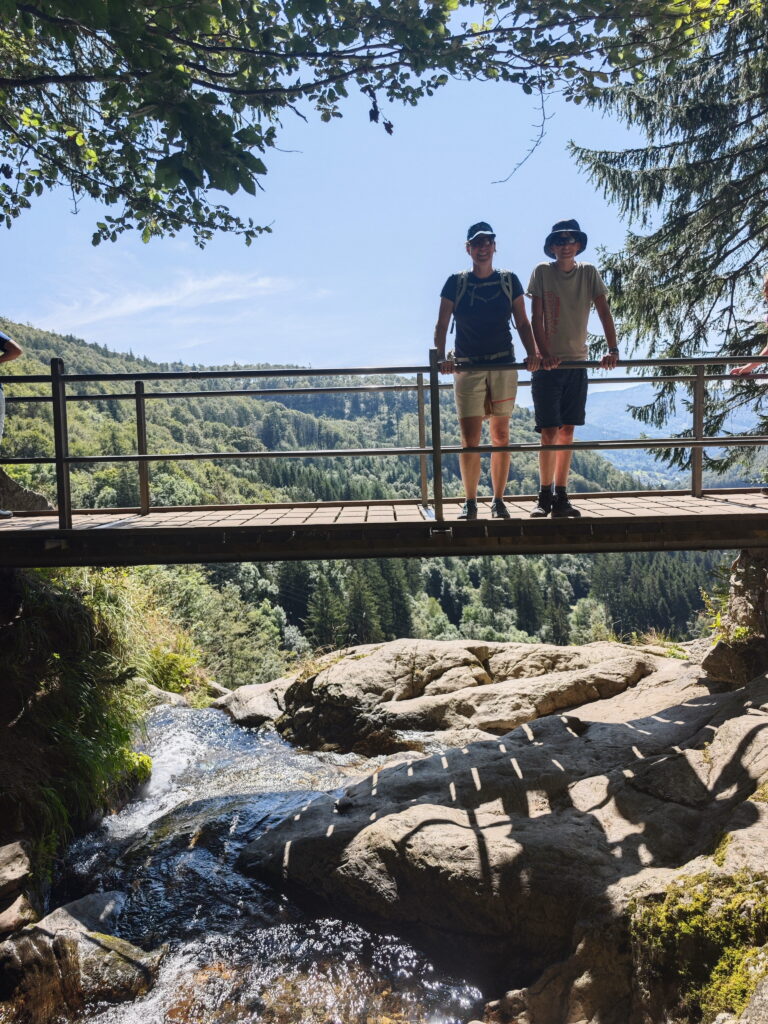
334 530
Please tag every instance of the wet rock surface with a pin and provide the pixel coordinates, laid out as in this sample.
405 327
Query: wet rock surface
186 937
561 786
255 704
534 843
54 967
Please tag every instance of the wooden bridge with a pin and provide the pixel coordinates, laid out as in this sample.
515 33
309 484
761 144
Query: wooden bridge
422 526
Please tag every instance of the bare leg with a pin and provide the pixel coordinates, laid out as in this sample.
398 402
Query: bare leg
555 466
563 459
547 459
499 460
471 429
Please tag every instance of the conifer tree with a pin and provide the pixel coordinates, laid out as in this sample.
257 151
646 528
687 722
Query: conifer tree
324 624
394 608
361 621
294 585
688 280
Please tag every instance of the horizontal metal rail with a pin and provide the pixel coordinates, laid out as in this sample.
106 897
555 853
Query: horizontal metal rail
727 441
128 396
372 371
60 398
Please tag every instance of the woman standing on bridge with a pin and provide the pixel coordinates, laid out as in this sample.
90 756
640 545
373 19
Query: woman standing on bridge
481 302
747 368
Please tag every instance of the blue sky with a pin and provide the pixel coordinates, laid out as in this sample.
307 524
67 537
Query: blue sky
366 227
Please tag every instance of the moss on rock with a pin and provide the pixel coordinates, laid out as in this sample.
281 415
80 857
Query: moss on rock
701 943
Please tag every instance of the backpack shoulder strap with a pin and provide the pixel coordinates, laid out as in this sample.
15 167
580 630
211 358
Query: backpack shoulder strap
506 284
462 280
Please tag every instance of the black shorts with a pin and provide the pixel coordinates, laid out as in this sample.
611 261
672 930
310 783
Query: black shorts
559 397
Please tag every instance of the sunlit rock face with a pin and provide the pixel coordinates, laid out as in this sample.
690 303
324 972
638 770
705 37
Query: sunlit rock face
372 698
527 848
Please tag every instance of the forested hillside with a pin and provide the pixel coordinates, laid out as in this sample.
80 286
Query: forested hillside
248 622
221 423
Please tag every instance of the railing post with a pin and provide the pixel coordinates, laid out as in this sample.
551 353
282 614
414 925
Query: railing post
697 454
422 438
61 443
141 443
434 409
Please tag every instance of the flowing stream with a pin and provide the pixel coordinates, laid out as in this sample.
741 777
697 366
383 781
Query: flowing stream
238 950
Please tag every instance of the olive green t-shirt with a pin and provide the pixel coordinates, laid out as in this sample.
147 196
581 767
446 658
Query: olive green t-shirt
567 299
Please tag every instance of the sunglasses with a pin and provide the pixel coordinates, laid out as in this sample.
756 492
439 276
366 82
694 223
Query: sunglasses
475 243
564 240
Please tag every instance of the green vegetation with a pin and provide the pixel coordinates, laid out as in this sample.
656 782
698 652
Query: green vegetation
704 940
721 848
68 707
688 281
222 423
148 108
247 623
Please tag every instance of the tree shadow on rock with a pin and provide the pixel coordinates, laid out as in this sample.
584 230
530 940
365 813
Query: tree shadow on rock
502 853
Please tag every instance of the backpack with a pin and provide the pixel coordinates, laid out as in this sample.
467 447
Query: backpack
462 282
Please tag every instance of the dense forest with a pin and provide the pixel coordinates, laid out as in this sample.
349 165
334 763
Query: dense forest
249 622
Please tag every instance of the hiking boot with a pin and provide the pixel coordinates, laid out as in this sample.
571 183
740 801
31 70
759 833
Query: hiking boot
562 508
544 504
5 514
498 509
469 509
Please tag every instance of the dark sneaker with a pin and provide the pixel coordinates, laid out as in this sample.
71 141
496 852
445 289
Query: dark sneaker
5 514
498 509
469 509
562 508
543 505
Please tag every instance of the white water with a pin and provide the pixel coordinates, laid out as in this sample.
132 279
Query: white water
238 950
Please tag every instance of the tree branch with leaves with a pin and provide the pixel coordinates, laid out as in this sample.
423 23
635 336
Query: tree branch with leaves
151 108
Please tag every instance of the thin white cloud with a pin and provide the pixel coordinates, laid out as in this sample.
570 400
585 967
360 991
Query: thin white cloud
181 294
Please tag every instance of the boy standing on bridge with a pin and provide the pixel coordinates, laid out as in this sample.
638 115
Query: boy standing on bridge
481 302
563 293
8 350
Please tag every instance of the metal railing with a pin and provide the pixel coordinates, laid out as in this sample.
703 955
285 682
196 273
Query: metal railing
427 386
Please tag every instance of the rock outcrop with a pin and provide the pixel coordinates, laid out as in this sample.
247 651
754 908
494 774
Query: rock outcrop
16 910
371 697
256 703
69 960
522 853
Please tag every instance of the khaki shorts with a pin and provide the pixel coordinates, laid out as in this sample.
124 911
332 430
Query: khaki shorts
484 392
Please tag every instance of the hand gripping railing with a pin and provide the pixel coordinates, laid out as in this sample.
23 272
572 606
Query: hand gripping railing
428 452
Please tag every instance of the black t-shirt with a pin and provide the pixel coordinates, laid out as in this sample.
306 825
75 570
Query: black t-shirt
482 316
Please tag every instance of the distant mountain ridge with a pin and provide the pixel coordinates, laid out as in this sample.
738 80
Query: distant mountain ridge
609 418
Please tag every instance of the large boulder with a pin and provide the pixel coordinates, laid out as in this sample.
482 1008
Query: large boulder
742 649
748 593
367 698
15 868
255 703
522 854
735 662
16 909
69 960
